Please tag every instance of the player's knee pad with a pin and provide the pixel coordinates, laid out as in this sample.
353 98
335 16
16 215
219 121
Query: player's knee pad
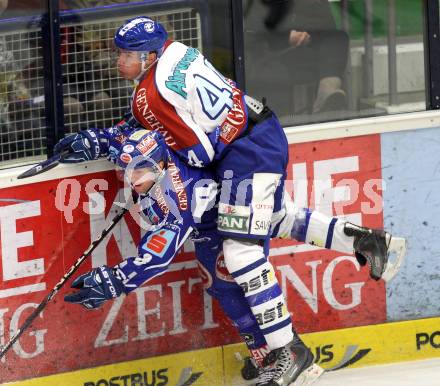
240 253
249 266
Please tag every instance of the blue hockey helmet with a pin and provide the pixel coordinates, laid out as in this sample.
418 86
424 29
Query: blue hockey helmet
141 34
143 149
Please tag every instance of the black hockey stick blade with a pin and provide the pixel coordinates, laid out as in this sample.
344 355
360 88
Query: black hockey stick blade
43 166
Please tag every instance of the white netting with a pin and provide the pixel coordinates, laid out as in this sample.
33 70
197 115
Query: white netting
94 95
21 95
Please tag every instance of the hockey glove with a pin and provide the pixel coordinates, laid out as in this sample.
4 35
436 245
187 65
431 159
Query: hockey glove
83 146
95 287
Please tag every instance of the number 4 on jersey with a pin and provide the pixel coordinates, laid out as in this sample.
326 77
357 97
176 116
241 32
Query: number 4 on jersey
193 160
214 99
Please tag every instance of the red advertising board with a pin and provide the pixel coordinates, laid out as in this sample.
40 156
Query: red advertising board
325 289
41 236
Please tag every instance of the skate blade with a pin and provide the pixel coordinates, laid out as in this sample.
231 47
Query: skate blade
397 246
308 376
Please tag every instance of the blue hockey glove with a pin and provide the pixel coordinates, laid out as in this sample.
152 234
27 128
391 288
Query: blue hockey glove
83 146
95 287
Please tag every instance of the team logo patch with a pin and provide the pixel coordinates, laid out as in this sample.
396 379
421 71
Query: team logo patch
227 209
149 26
137 135
132 24
146 145
159 242
120 138
238 224
233 218
228 132
125 158
220 269
236 118
128 148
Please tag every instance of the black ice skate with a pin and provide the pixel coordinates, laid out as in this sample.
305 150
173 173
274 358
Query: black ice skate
373 247
291 365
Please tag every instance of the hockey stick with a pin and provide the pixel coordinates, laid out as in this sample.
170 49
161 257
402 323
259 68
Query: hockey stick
63 280
44 166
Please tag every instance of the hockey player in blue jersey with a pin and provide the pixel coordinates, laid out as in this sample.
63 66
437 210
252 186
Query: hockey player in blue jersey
209 121
206 119
179 200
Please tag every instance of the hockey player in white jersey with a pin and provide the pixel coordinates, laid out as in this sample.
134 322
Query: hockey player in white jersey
207 120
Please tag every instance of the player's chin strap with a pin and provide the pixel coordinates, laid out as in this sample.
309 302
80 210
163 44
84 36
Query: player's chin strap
145 69
396 246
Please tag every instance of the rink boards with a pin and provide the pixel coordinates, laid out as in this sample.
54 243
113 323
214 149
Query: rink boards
336 349
380 179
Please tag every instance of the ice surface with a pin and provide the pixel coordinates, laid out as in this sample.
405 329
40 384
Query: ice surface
425 373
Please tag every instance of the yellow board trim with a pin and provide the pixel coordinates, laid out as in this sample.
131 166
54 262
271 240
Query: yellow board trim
169 370
359 346
219 366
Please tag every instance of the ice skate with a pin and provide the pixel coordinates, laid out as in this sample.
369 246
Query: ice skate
373 247
291 365
250 369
